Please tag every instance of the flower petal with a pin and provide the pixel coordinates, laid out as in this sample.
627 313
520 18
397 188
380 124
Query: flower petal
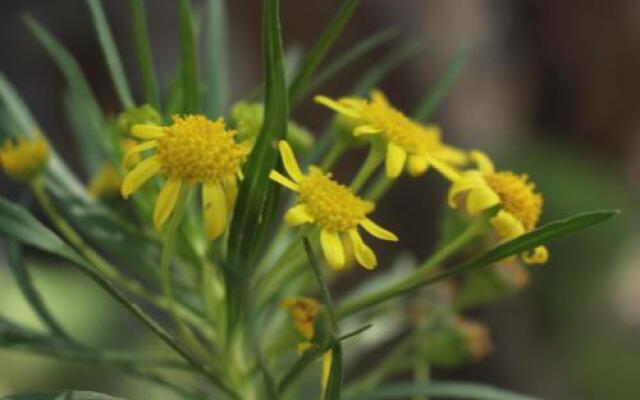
539 255
131 154
332 248
444 168
166 201
283 180
464 183
364 255
396 157
144 131
485 165
230 187
378 231
366 130
139 175
507 225
417 165
480 199
336 106
289 161
214 207
298 215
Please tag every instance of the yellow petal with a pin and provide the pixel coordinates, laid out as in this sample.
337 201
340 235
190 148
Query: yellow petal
283 180
445 169
230 186
327 360
396 157
364 255
507 225
131 154
298 215
485 165
143 131
378 96
139 175
214 206
480 199
166 202
378 231
365 130
539 255
336 106
417 165
289 161
332 249
452 155
464 183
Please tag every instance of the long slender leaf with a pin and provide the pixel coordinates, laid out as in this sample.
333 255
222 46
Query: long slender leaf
547 233
216 59
16 223
315 56
16 262
111 55
334 383
441 390
16 109
188 59
91 156
428 105
257 198
145 57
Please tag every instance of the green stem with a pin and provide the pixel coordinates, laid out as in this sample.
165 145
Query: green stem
420 374
379 187
373 160
338 148
355 304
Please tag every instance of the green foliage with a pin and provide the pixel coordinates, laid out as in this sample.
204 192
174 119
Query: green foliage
442 390
188 60
216 59
143 49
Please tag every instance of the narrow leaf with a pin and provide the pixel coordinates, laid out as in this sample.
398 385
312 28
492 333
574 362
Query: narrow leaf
441 390
216 59
334 383
145 57
188 59
428 105
315 56
111 55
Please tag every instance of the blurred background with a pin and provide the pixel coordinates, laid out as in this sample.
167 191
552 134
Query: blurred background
550 88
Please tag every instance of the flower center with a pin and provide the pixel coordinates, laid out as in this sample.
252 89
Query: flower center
398 128
332 205
199 149
518 196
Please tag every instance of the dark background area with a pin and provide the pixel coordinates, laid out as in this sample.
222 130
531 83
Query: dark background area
550 88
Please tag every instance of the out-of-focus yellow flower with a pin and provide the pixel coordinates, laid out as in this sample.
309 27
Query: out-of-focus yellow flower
24 159
520 205
410 145
192 150
476 338
333 207
107 181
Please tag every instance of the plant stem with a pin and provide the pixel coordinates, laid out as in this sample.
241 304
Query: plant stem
333 155
379 187
373 160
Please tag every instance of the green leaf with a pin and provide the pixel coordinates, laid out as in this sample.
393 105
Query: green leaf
91 156
428 105
16 110
188 59
216 59
16 223
441 390
65 395
257 198
15 260
334 383
315 56
347 58
110 52
528 241
143 48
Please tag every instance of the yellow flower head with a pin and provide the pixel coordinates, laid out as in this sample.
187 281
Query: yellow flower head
24 159
303 311
334 208
409 144
192 150
520 205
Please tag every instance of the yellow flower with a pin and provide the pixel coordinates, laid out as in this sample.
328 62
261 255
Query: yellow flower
107 181
24 159
193 150
303 311
336 210
410 145
520 206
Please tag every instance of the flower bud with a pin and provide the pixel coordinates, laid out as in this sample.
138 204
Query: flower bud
24 159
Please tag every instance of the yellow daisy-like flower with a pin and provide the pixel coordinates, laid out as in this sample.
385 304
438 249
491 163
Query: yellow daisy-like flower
410 145
520 205
334 208
25 158
192 150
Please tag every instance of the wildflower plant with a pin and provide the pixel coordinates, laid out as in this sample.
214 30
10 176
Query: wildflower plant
184 222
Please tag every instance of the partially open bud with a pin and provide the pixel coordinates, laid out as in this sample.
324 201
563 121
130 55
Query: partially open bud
24 159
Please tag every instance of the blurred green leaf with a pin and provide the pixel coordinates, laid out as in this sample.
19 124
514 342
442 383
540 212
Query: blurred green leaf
145 56
65 395
110 52
15 260
427 106
91 156
188 59
315 56
441 390
334 383
216 59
